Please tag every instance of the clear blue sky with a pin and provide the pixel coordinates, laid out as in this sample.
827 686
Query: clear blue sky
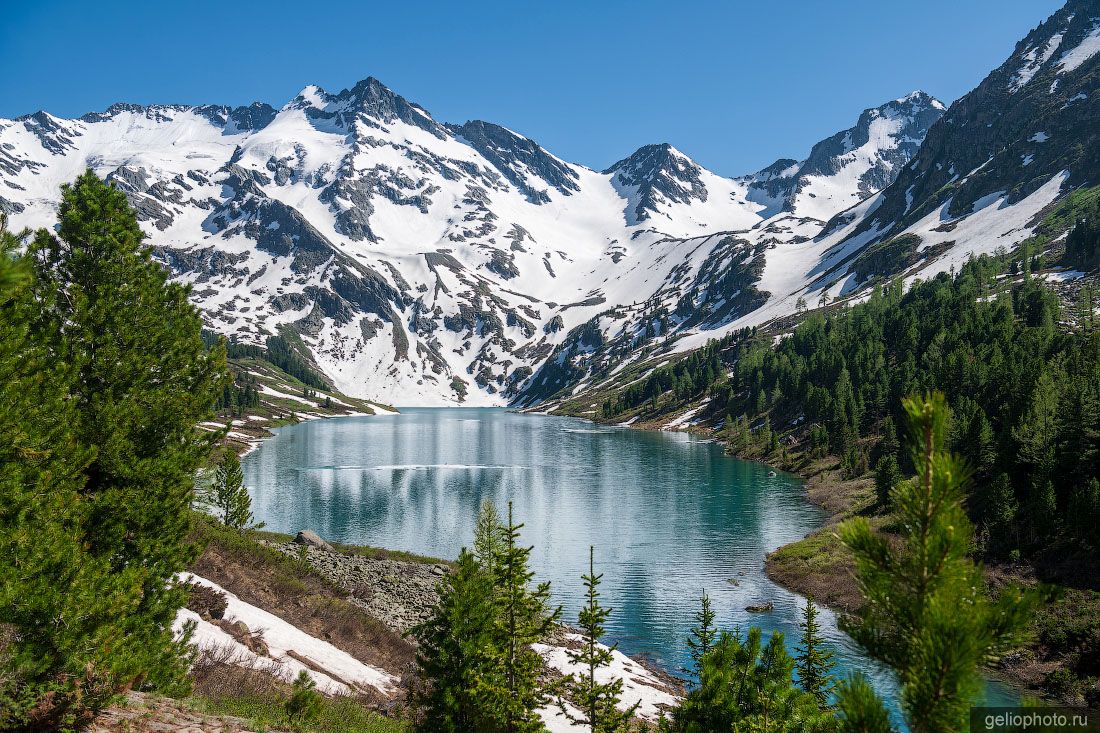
734 84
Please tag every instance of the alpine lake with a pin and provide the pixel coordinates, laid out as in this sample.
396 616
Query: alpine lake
670 515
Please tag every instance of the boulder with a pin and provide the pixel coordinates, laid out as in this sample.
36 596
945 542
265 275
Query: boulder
311 539
761 608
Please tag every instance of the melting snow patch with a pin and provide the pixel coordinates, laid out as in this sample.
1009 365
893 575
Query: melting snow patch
556 722
986 200
1063 276
1084 50
685 419
335 671
1033 61
1039 137
639 684
1075 98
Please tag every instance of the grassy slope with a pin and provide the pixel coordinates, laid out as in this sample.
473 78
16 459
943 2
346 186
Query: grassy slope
281 585
277 410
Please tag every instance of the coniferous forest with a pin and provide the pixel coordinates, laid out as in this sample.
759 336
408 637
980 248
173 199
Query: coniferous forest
327 411
1021 373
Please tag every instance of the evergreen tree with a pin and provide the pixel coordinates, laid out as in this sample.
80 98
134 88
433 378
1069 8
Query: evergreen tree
1002 510
703 634
143 380
914 592
598 702
859 709
887 476
524 617
60 607
488 537
304 704
748 686
457 656
889 444
814 661
228 495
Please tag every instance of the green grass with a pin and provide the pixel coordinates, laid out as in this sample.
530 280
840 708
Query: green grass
818 551
1061 219
289 572
265 712
1069 210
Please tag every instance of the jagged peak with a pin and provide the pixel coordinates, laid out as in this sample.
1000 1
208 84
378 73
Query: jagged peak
782 168
518 157
921 98
652 158
369 97
254 116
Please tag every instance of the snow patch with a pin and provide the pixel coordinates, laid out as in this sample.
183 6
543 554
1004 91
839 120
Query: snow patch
639 684
1082 52
335 671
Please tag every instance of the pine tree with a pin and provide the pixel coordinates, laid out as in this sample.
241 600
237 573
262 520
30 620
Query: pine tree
304 704
859 709
887 476
914 591
60 606
1002 510
598 702
524 617
143 381
748 686
457 656
228 495
703 634
488 536
888 444
814 661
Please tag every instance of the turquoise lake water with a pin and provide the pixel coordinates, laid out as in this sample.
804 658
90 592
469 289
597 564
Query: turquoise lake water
669 514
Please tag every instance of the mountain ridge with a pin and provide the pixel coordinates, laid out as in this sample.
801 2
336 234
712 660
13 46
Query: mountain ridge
435 263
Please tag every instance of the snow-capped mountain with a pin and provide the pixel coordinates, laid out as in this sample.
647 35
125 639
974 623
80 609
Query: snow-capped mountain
846 168
1031 120
998 160
430 263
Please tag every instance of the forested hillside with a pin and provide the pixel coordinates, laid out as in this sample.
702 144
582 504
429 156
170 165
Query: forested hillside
1013 345
1021 371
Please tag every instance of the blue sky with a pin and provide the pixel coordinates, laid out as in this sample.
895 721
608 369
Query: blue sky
734 84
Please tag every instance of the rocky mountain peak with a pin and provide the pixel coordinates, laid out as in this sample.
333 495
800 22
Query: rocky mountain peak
369 100
654 174
890 133
1029 121
522 161
868 156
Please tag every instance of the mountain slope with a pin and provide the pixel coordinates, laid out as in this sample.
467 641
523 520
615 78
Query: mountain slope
1025 136
846 168
426 263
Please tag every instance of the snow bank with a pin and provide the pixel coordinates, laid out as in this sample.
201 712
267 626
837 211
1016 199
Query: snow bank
639 684
335 671
556 722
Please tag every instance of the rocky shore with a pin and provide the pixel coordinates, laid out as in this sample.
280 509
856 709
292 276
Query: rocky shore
399 593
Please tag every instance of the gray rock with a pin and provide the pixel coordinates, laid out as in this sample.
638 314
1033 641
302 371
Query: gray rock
311 539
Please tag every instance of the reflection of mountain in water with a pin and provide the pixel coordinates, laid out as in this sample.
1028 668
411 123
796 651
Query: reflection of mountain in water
670 515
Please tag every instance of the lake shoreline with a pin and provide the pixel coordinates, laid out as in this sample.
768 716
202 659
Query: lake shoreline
818 565
372 459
